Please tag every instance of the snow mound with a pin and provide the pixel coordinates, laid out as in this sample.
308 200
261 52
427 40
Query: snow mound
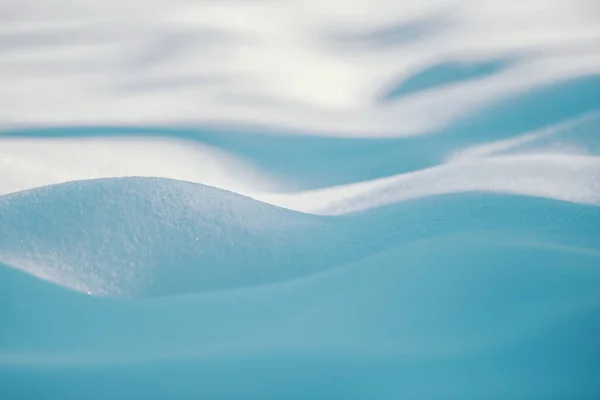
148 237
154 236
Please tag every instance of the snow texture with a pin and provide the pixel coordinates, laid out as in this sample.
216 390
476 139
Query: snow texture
299 199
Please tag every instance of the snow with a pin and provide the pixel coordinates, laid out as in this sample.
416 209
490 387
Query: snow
292 64
299 199
152 236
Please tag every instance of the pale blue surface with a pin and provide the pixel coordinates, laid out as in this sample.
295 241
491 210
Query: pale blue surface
463 296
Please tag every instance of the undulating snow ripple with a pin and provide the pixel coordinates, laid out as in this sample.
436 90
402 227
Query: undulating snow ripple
299 199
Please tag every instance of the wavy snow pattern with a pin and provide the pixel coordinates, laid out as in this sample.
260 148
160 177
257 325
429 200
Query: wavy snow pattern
299 199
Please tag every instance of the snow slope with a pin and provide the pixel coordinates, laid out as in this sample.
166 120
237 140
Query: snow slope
412 321
152 236
156 236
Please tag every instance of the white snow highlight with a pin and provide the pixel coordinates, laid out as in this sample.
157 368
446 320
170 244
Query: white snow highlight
293 64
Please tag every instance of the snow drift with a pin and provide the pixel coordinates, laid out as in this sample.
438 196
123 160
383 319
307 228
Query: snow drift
152 236
156 236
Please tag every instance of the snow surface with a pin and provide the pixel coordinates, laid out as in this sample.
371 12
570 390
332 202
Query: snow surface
299 199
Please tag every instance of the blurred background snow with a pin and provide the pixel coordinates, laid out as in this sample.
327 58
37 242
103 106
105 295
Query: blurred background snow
366 68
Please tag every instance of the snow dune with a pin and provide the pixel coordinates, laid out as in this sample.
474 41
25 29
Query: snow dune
135 236
155 237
